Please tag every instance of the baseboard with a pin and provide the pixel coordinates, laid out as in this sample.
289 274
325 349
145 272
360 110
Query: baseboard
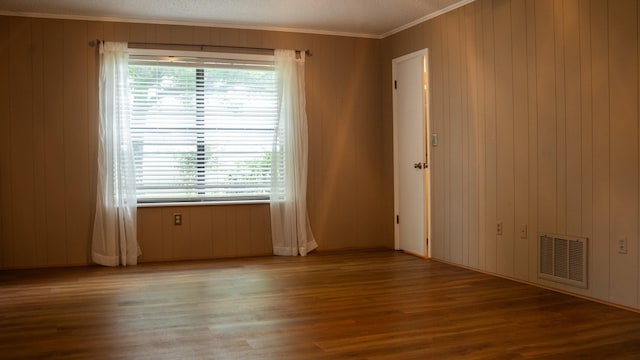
541 286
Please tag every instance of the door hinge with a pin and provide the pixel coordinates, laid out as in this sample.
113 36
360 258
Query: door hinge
395 84
397 219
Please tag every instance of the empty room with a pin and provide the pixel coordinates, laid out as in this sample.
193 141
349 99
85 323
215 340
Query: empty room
303 179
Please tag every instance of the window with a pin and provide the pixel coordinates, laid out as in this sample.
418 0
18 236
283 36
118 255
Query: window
202 128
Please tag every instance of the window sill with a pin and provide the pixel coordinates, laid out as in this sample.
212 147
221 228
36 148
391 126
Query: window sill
203 203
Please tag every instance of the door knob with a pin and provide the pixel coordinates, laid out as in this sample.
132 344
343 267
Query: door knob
417 166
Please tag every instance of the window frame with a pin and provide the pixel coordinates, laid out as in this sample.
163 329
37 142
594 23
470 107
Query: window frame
169 54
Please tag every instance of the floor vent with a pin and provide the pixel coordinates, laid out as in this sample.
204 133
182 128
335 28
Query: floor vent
563 259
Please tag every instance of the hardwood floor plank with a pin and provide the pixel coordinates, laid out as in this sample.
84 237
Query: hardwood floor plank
375 304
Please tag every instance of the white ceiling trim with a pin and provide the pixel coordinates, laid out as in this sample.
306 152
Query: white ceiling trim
427 17
186 23
233 26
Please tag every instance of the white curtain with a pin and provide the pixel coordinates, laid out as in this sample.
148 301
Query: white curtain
114 229
290 229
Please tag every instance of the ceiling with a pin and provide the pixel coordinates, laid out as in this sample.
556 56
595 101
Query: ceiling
366 18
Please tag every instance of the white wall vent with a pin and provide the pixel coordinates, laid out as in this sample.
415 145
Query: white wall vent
563 259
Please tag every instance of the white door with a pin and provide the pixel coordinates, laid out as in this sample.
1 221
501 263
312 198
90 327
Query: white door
410 155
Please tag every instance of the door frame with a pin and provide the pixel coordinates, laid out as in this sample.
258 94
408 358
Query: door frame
426 136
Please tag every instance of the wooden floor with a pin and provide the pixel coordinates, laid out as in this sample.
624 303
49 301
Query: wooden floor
344 305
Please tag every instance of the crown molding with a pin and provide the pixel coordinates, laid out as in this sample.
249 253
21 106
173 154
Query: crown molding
187 23
449 8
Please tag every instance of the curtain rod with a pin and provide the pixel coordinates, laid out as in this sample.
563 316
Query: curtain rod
201 46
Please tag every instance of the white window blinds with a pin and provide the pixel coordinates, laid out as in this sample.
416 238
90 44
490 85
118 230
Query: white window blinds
202 129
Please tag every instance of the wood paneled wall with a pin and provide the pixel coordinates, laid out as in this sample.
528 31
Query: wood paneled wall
207 232
48 132
536 104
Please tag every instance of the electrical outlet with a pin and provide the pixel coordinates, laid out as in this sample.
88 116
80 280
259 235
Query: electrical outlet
499 228
622 245
177 219
523 231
